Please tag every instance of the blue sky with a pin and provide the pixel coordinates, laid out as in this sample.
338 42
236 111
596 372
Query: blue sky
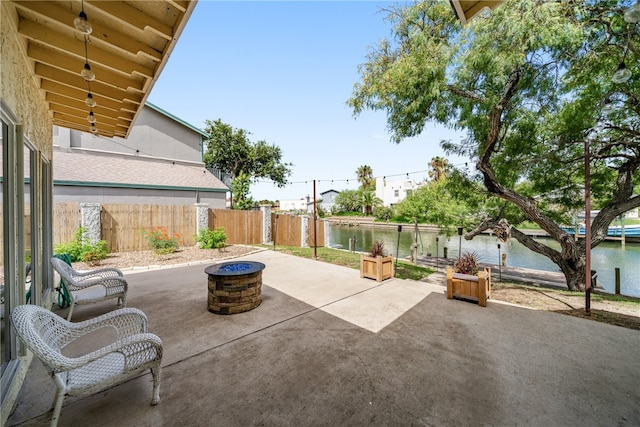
284 71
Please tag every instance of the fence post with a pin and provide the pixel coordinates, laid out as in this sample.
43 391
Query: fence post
305 231
266 224
202 216
90 220
327 234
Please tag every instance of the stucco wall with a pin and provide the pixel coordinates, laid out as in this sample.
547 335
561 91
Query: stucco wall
134 196
20 93
18 88
153 134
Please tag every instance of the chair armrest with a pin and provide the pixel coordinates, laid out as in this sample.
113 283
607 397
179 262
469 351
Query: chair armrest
108 282
100 272
129 347
126 321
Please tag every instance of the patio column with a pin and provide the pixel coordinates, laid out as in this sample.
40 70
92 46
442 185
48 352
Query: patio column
202 217
266 224
90 220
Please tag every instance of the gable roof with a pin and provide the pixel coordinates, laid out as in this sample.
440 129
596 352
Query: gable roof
177 119
91 169
329 191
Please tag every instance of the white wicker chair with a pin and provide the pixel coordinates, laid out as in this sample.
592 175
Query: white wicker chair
91 286
133 351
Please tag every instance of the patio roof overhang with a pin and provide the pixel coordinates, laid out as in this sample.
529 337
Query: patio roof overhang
130 43
467 9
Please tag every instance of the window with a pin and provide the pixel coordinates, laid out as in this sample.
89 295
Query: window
25 233
396 193
407 193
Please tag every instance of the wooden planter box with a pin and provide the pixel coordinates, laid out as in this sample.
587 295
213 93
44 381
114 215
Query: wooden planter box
469 287
378 268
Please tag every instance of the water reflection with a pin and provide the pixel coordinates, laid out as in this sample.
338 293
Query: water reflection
604 258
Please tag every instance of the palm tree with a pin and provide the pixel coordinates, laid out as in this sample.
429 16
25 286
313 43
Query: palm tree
365 176
439 167
369 202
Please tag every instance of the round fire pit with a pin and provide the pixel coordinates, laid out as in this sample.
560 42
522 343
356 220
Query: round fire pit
235 286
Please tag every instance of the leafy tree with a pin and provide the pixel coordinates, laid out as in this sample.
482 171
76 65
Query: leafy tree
529 85
438 168
348 201
365 176
434 204
240 188
231 151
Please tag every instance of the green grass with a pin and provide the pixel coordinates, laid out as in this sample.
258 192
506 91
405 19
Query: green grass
405 270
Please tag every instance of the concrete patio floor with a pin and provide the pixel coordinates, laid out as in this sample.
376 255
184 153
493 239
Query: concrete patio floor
329 348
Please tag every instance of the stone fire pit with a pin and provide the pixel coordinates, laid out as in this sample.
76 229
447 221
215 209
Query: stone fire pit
235 286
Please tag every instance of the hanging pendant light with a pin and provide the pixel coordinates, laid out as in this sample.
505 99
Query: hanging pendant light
90 101
86 73
632 15
91 118
82 24
622 74
93 128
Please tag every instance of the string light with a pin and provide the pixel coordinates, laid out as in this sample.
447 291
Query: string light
90 101
82 24
87 74
622 74
346 180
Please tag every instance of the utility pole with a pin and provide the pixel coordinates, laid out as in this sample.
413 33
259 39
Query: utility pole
315 228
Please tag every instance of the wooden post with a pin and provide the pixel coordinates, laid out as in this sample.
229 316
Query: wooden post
617 270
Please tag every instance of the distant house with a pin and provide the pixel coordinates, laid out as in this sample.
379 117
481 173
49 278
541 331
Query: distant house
294 204
328 200
159 163
393 192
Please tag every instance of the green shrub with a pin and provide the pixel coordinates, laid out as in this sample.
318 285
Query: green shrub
210 239
160 241
383 213
80 249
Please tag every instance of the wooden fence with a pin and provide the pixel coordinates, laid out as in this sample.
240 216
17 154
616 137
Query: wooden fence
66 220
241 227
124 227
287 230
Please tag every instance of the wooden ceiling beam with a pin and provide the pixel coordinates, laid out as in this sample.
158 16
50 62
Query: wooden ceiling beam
101 33
75 46
78 93
134 17
72 64
74 80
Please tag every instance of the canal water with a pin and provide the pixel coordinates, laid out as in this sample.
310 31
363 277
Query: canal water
604 258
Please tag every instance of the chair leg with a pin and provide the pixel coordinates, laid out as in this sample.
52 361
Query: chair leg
71 305
156 374
57 402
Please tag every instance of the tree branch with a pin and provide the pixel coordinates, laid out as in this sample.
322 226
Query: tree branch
465 93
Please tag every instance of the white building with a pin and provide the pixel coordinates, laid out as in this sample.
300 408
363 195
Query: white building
393 192
294 204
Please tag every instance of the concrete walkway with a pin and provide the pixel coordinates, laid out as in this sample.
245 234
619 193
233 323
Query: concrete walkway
328 348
